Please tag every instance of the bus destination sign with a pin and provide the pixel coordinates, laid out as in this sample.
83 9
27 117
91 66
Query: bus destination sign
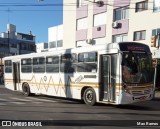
133 47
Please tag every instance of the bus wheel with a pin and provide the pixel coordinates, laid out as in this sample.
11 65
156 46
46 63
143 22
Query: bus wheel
26 89
89 96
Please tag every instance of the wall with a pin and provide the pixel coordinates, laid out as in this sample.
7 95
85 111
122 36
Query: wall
69 24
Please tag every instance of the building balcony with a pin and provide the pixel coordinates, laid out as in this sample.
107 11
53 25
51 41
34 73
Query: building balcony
97 10
121 28
81 34
99 31
82 12
120 3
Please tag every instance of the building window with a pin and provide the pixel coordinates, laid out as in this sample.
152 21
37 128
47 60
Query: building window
141 6
13 45
24 46
3 45
98 41
100 19
82 24
27 37
139 35
52 44
119 38
155 31
56 44
121 13
81 43
156 6
81 3
60 43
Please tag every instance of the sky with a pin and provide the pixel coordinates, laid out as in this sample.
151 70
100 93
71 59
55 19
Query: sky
31 15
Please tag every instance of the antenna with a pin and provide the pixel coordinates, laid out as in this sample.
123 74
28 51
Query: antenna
8 15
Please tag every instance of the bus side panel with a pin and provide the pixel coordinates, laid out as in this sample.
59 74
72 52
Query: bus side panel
70 88
8 81
51 84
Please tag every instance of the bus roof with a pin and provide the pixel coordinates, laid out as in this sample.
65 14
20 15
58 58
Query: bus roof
107 47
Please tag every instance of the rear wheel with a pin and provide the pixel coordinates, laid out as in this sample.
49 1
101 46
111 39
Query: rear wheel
26 90
89 96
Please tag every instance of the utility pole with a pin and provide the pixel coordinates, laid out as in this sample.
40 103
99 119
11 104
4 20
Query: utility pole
155 73
8 43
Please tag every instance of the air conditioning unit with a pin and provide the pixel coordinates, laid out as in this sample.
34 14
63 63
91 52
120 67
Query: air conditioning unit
100 3
115 24
89 41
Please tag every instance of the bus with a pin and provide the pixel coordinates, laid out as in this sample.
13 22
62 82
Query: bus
113 73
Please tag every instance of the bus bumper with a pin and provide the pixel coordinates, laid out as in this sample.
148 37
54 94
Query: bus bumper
129 98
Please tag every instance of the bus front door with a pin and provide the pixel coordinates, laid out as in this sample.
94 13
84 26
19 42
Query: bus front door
108 80
16 75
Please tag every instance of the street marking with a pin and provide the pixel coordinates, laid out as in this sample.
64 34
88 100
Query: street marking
37 102
3 99
14 98
39 99
17 102
2 104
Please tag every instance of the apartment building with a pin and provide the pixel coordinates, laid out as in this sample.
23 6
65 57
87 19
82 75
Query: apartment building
41 47
104 21
13 43
55 38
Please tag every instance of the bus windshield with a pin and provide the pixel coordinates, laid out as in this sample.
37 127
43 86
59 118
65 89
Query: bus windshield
137 67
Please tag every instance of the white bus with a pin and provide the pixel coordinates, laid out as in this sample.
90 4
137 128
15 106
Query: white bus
115 73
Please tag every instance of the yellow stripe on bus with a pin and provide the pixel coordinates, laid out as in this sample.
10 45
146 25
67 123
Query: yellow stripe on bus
90 84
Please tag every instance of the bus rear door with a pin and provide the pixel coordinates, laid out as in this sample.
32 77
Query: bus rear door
16 75
108 77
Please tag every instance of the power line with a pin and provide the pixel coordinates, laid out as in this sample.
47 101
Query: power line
60 4
12 10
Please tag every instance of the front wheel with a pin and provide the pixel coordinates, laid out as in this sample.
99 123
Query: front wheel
89 96
26 89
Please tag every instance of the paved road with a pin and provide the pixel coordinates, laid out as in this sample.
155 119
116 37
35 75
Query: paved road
66 113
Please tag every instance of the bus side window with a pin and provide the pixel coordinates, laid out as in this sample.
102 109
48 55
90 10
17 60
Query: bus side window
39 65
68 63
8 66
52 64
87 62
26 65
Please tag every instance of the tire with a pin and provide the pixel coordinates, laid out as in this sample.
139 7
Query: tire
26 90
89 96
